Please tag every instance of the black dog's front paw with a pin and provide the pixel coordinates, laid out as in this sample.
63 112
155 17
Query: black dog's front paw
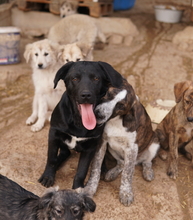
47 179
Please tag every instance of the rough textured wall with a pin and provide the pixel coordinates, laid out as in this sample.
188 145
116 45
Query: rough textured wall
148 4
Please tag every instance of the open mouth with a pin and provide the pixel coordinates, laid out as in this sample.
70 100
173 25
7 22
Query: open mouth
87 115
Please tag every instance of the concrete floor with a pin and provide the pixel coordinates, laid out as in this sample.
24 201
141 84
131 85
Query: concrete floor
152 64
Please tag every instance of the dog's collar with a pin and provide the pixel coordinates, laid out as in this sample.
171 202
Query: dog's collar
82 138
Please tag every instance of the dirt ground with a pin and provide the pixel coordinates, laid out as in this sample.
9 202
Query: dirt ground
152 65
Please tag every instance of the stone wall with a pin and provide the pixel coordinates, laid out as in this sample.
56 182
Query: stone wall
5 15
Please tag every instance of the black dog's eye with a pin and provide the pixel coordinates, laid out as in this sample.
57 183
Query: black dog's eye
36 54
96 78
75 211
45 54
75 79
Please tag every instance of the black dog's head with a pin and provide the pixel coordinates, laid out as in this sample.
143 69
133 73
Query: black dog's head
64 205
86 83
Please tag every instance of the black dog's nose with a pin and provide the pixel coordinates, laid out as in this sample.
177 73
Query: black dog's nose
190 119
40 65
86 95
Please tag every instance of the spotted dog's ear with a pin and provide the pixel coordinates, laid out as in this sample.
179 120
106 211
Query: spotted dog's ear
28 52
62 72
180 88
115 78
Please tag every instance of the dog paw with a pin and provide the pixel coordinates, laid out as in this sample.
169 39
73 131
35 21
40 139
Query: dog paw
47 180
86 190
36 127
172 171
126 197
148 174
30 120
172 175
112 174
163 155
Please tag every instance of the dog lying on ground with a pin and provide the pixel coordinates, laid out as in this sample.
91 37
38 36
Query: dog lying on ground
77 28
16 203
175 131
130 139
68 8
43 57
73 122
72 52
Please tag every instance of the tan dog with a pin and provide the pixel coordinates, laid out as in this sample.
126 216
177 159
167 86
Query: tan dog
175 131
43 57
77 28
73 52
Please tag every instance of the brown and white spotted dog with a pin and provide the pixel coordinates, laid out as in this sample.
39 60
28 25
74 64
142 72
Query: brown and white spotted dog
130 139
175 131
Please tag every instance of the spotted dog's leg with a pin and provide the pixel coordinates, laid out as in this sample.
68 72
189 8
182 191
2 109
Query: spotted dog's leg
148 156
148 173
92 184
114 172
126 193
105 110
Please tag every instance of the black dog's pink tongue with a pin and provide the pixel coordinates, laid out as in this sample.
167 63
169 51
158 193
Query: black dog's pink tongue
88 117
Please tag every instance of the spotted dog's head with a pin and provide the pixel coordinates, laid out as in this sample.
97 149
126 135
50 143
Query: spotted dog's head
117 101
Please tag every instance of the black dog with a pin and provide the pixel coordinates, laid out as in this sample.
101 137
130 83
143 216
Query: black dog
16 203
73 122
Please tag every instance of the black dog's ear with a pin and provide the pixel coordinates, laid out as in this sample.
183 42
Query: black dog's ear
89 204
115 78
61 73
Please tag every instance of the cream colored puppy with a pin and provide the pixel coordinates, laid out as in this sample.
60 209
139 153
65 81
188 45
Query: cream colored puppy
43 57
73 52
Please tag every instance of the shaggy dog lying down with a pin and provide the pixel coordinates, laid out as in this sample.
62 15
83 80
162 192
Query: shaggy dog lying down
78 28
16 203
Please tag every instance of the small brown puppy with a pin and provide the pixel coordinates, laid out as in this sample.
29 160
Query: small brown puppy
175 131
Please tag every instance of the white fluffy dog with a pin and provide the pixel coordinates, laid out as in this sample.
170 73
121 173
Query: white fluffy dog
76 28
43 56
68 7
74 52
